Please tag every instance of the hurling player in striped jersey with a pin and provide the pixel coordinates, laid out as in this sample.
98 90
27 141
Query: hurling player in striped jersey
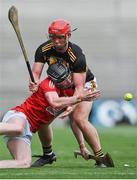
60 48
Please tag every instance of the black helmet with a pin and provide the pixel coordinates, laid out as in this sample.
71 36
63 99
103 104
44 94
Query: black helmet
58 72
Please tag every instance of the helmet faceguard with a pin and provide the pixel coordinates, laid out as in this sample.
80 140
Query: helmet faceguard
67 83
60 75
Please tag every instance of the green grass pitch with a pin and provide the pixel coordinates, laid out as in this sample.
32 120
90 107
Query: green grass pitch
121 142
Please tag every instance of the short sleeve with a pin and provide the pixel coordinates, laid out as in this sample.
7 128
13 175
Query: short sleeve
80 64
39 55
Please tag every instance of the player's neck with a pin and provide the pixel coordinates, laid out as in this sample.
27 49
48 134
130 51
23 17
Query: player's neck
63 49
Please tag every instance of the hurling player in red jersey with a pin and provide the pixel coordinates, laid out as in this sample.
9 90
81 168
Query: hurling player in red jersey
59 48
39 109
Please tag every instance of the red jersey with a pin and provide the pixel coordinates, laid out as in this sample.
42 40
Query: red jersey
36 107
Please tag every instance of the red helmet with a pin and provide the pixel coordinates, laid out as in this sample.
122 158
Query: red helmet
59 27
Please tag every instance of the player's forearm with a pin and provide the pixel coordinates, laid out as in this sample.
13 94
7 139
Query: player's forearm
79 91
79 78
36 76
79 82
37 70
62 102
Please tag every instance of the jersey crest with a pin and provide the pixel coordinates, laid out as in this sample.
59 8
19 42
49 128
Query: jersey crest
52 60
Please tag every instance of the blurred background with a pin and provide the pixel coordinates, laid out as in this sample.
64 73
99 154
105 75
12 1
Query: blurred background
107 33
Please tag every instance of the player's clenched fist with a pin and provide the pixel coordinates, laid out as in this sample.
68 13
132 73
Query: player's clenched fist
33 87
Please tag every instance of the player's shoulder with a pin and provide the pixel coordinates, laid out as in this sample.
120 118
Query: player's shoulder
75 48
47 84
45 81
45 46
74 51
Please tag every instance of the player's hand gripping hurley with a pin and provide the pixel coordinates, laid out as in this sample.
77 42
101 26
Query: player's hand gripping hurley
106 159
13 17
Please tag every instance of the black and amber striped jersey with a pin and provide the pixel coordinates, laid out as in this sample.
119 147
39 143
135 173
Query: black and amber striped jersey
73 57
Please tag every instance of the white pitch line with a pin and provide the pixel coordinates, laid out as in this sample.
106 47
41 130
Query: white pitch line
89 173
